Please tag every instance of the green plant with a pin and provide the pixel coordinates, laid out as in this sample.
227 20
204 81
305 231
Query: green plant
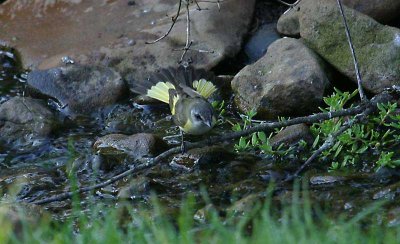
219 107
257 141
371 142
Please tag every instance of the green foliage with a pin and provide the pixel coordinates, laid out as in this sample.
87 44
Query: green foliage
371 142
257 141
219 107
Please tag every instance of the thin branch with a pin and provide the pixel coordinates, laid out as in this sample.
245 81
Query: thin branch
330 142
290 5
67 195
356 66
188 41
174 19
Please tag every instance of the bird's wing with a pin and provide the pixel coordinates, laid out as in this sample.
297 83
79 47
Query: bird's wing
186 81
204 88
160 91
173 99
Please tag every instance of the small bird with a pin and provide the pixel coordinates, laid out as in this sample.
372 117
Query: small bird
186 90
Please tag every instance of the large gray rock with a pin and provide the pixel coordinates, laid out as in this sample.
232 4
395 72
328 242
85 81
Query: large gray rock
114 33
382 11
79 89
377 46
289 80
23 119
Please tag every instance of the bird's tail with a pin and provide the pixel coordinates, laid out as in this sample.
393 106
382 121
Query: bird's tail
158 84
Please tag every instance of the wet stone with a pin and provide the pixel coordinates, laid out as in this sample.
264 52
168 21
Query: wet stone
292 134
136 146
200 158
78 89
272 175
388 192
135 188
326 179
24 121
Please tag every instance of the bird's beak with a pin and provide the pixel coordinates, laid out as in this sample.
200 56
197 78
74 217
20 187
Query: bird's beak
208 123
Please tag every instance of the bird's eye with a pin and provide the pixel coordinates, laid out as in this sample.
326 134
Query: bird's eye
198 117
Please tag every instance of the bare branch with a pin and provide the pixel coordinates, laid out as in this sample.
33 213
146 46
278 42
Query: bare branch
188 42
356 66
290 5
330 141
174 19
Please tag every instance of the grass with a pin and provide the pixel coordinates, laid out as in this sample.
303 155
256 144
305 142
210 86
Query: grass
297 223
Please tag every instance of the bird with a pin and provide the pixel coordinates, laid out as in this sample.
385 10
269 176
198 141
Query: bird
186 90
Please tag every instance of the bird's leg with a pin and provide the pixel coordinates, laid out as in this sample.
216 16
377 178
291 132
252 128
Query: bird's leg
183 146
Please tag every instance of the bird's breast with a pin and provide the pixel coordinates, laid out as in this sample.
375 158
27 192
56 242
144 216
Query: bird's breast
194 129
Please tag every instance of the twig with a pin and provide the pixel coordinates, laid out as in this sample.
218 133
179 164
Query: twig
290 5
67 195
359 81
381 98
188 41
174 19
330 141
218 2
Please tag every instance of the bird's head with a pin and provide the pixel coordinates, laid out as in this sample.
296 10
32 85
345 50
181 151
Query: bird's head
201 116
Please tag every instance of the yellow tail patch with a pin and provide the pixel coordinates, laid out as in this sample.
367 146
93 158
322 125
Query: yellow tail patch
204 88
160 91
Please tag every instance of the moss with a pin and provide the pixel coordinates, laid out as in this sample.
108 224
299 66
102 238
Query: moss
378 58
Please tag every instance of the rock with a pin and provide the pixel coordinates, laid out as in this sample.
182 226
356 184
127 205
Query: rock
244 206
382 11
292 134
388 192
24 120
205 214
200 158
136 188
114 33
137 146
78 89
7 59
326 179
377 46
272 175
128 119
288 81
288 24
258 43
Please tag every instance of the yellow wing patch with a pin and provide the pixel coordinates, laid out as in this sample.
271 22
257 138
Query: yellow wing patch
160 91
204 88
172 106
